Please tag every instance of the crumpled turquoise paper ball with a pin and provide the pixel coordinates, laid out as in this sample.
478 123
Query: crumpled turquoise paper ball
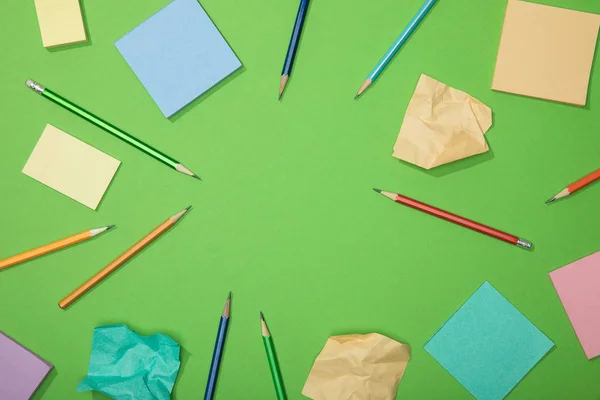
127 366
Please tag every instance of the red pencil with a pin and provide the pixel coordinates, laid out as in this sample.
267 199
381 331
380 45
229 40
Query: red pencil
573 187
467 223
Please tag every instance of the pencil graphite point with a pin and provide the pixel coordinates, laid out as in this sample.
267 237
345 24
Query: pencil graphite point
550 200
197 177
110 227
188 208
262 317
229 296
377 190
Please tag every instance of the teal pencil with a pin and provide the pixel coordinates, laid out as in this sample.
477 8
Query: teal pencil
410 28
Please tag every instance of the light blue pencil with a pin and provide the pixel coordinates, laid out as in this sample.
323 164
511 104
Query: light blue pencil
396 46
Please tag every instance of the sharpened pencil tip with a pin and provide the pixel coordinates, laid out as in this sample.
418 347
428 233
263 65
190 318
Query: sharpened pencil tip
188 208
229 296
197 177
377 190
110 227
364 87
262 317
282 83
550 200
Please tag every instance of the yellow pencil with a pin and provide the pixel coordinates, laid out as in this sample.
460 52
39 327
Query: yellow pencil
50 247
110 268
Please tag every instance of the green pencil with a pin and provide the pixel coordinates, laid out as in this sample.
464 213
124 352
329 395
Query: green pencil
113 130
272 357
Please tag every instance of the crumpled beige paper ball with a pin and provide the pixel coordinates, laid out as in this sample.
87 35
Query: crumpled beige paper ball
358 367
441 125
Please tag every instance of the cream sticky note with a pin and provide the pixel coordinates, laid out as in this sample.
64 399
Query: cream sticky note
60 22
546 52
70 166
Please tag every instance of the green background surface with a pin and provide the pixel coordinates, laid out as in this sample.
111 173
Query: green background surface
285 216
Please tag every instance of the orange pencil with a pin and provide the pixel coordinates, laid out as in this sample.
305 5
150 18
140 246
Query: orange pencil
50 247
110 268
573 187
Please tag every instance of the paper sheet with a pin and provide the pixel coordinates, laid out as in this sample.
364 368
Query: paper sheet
21 371
441 125
177 65
70 166
126 366
578 286
488 345
546 52
357 367
60 22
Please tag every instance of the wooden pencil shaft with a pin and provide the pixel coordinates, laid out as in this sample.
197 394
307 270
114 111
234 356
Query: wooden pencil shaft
274 367
45 249
467 223
295 39
113 130
110 268
215 364
583 182
410 28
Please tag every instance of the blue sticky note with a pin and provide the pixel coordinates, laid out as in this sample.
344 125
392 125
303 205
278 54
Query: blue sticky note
126 366
488 345
178 54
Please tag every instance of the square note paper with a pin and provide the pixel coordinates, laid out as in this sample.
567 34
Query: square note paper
546 52
21 371
71 167
488 345
578 286
178 54
60 22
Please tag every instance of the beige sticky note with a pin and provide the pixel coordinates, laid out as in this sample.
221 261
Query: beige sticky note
546 52
60 22
357 367
70 166
441 125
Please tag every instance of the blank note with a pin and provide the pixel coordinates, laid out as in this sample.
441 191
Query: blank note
546 52
178 54
488 345
60 22
21 371
578 286
70 166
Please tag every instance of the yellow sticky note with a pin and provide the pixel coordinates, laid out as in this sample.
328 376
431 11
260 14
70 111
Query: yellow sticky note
71 167
60 22
546 52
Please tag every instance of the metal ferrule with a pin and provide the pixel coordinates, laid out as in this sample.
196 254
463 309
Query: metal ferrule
524 244
35 86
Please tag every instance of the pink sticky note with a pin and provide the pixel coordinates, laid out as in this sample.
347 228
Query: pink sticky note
578 286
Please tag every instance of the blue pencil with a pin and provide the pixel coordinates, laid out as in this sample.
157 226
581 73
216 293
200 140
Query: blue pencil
218 352
412 25
294 40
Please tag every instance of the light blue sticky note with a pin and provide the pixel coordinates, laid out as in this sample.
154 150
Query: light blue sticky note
178 54
488 345
127 366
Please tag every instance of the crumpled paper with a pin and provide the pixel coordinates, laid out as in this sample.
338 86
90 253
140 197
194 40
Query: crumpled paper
357 367
127 366
441 125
